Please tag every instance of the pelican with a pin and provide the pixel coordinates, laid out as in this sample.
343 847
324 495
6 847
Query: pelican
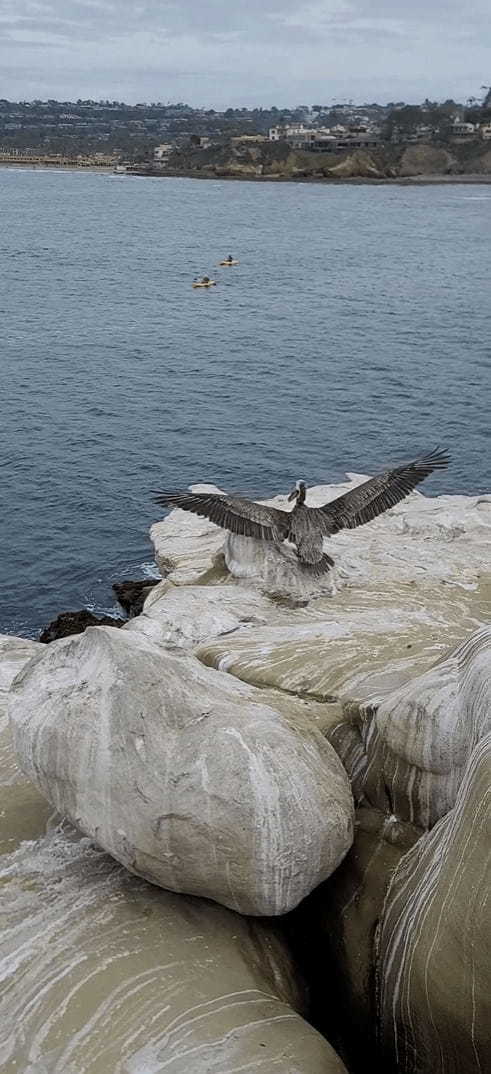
303 526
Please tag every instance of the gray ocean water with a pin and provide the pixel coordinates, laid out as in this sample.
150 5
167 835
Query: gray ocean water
354 333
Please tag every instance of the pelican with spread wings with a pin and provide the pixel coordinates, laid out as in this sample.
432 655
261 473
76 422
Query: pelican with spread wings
305 527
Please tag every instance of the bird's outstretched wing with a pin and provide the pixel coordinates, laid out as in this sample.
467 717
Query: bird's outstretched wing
380 493
234 513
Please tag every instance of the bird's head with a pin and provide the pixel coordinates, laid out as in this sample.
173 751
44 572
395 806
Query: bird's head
298 493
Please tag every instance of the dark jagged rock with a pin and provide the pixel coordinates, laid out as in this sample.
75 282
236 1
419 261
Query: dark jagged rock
75 623
131 595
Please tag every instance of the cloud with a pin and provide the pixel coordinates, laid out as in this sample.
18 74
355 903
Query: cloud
229 52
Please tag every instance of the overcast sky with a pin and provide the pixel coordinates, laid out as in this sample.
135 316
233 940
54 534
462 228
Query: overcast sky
217 53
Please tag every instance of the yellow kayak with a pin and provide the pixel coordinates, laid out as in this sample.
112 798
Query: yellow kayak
210 283
223 263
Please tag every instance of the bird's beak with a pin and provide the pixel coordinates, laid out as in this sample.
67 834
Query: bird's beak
293 495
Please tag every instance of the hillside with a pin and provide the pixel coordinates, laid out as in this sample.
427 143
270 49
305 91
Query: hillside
267 160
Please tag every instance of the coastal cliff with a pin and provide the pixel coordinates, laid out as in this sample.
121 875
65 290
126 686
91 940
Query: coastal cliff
270 160
207 746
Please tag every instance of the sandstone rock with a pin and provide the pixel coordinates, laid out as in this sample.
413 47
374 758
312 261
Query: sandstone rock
109 975
67 623
102 973
408 755
481 163
359 163
180 772
404 588
337 926
14 653
434 943
414 763
188 615
426 160
23 811
275 568
411 757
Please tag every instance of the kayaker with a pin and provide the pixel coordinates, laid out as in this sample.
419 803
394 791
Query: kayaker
230 258
206 279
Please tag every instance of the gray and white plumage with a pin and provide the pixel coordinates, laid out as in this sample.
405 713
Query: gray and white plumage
305 527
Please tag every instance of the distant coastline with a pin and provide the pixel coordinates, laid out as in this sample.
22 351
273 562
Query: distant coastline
353 180
408 180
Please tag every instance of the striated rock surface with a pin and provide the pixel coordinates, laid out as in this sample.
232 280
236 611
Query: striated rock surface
276 160
413 763
434 942
23 811
404 988
183 774
219 648
405 715
337 926
185 616
358 163
102 973
408 755
404 588
105 974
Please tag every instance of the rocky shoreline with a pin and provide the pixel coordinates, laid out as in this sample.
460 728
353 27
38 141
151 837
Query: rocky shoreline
276 162
322 755
353 180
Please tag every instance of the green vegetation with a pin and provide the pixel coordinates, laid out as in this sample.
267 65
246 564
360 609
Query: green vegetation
131 132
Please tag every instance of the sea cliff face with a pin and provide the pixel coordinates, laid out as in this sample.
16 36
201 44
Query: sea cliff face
277 161
206 745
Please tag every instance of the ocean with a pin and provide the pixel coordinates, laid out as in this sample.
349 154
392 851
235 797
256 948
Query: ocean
353 334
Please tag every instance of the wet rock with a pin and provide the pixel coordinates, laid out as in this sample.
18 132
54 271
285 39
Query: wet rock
131 595
184 774
68 623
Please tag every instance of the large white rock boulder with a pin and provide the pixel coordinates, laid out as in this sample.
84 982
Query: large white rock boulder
184 616
405 918
23 811
105 974
102 973
434 937
180 772
408 754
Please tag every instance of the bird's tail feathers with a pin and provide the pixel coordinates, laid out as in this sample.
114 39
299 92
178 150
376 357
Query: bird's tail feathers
316 570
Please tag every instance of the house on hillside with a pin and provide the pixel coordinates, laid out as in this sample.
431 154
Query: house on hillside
162 153
460 129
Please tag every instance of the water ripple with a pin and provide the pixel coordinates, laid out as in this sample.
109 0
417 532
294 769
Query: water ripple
354 332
